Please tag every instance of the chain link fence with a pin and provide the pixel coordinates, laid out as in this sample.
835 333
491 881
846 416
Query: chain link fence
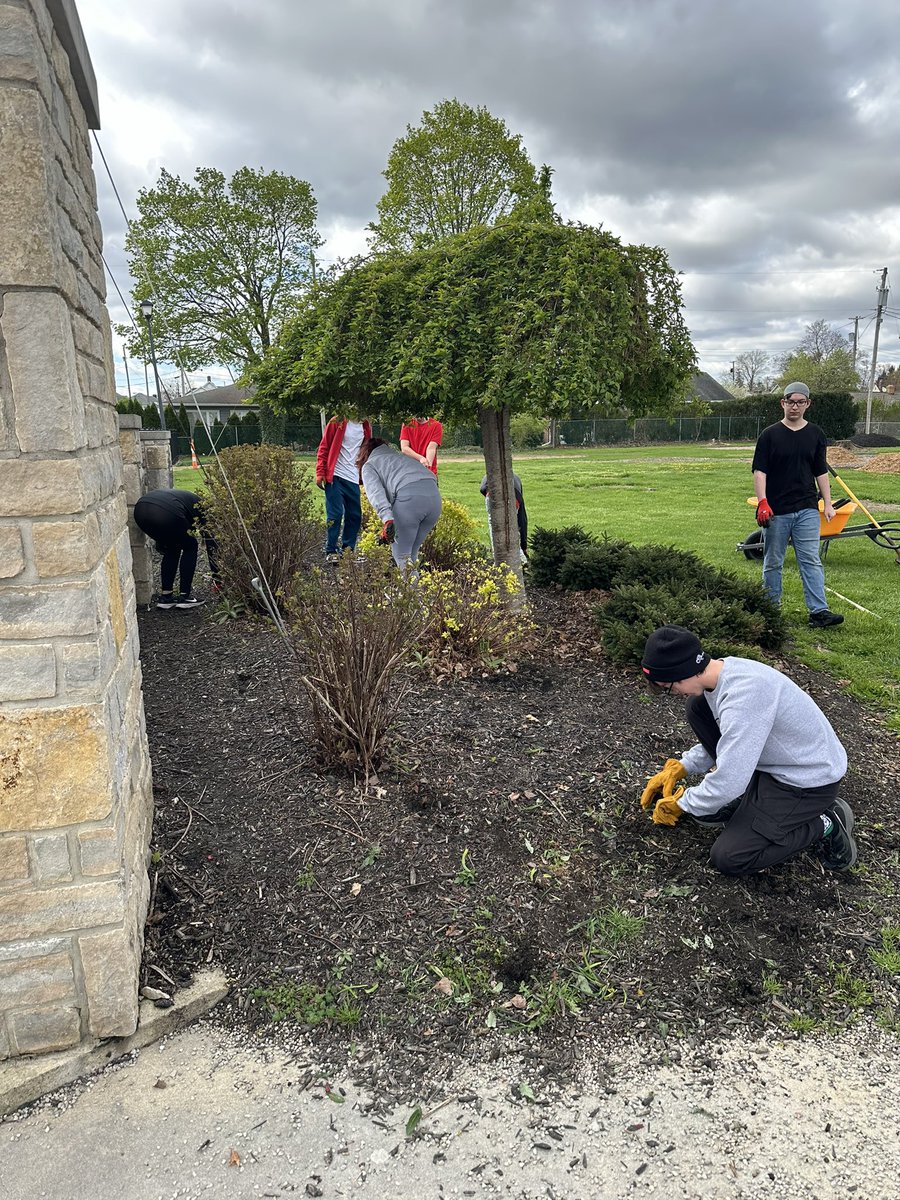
304 436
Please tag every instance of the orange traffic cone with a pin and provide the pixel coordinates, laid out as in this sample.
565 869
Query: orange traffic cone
195 462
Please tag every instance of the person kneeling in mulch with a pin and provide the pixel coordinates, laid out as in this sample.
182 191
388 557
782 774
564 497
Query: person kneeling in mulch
770 760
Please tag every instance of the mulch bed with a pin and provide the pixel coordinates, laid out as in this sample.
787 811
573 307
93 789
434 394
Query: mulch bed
442 907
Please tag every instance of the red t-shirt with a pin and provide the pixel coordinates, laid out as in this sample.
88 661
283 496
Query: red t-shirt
420 434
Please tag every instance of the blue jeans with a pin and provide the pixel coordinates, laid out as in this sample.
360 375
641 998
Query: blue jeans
343 514
802 530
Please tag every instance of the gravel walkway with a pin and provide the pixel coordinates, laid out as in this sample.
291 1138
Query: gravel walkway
209 1114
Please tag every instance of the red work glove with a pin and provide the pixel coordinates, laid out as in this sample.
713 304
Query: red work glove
387 534
764 513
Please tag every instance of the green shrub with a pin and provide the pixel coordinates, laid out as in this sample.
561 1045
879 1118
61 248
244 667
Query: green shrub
549 548
527 432
453 538
278 505
725 625
471 621
600 566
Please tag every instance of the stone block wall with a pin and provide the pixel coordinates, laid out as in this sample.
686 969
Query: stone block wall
75 788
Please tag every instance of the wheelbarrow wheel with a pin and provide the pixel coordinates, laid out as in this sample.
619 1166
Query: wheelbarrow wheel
753 545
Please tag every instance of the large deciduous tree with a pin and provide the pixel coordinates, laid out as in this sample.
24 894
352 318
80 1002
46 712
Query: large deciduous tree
459 169
820 340
224 262
749 368
834 372
525 317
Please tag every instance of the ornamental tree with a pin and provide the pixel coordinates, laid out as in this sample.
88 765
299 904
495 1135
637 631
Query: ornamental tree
525 317
224 262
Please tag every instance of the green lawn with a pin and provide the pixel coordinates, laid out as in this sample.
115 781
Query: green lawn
693 497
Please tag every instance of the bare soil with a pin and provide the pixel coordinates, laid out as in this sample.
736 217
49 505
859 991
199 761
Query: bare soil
481 894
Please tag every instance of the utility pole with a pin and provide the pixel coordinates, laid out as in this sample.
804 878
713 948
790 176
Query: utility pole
879 315
127 376
855 339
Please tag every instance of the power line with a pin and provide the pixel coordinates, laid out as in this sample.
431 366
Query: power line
778 271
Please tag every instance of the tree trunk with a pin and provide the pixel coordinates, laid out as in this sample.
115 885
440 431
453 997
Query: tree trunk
501 493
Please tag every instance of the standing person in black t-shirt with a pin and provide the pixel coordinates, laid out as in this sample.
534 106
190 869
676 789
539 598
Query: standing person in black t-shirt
169 516
789 470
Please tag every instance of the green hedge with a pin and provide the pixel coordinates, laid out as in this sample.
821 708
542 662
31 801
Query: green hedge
652 585
836 412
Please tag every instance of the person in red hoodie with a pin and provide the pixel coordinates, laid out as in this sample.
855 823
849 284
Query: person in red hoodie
420 438
338 474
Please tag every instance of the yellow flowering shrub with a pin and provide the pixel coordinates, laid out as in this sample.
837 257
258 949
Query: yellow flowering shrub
471 616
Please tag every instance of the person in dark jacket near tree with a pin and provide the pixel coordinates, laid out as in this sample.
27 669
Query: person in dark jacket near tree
405 495
788 467
770 760
338 475
521 514
170 517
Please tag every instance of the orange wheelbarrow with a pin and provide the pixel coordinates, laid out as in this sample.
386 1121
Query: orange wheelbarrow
882 533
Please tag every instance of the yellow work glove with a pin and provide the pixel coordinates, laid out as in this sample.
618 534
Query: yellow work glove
667 810
663 782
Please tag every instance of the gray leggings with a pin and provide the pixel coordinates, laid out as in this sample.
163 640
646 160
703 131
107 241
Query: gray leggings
416 511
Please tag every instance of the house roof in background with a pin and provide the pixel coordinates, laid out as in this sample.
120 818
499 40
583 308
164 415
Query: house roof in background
706 388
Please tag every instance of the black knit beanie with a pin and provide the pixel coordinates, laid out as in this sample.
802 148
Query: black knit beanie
672 654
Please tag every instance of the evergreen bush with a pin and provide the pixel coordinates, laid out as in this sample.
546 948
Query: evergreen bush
549 548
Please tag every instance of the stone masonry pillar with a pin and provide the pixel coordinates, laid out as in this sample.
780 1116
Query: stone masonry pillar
147 461
75 788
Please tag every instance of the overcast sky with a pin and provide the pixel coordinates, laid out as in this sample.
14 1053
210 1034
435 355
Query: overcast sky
758 141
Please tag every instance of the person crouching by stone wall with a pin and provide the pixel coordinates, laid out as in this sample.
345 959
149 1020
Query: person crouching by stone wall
338 475
170 517
770 760
521 515
405 495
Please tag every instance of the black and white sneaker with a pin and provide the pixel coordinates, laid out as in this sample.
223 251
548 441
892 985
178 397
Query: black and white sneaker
189 602
837 849
166 600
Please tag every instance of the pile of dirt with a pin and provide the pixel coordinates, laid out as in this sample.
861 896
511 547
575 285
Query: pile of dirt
883 464
838 456
502 875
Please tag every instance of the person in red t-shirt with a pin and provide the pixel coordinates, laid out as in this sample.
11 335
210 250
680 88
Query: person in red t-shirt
420 438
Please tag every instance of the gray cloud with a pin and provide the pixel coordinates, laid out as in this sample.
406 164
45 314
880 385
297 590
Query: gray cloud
754 136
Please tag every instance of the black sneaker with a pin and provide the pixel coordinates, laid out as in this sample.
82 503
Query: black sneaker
718 820
823 618
189 602
166 600
837 849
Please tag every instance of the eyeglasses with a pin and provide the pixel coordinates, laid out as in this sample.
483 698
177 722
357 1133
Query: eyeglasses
665 688
795 403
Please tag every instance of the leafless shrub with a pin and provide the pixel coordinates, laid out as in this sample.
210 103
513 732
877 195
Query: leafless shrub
353 630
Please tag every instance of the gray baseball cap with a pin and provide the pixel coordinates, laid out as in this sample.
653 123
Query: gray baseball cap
796 388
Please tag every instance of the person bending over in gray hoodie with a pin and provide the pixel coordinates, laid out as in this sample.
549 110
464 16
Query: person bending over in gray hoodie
405 495
771 763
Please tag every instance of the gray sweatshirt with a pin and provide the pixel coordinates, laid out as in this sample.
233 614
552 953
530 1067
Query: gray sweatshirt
388 472
768 724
